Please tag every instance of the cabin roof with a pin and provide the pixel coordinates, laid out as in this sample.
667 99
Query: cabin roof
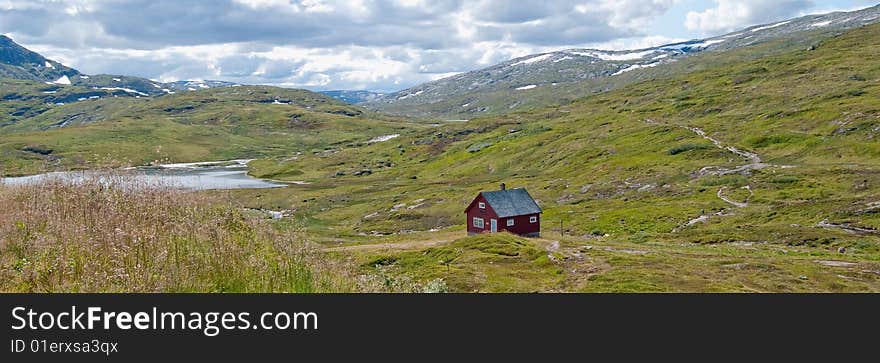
511 202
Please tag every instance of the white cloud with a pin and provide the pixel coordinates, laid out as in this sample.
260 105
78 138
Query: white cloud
730 15
259 4
382 45
634 13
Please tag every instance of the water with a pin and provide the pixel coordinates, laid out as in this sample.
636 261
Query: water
190 176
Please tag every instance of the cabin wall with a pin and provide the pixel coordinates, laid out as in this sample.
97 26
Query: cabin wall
521 225
487 214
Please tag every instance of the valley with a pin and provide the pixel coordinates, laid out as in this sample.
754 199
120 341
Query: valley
663 168
752 168
212 124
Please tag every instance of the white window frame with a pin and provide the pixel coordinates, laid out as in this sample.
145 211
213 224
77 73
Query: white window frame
481 224
482 205
510 222
533 219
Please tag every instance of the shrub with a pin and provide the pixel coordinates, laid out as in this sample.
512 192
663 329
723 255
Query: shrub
765 141
478 147
687 147
38 149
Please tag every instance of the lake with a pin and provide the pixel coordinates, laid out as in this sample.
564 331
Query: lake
230 174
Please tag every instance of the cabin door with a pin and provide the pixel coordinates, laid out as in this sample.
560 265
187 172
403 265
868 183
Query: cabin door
494 225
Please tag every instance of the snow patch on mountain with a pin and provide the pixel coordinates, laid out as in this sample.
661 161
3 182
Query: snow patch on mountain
822 24
411 95
523 88
691 45
608 56
128 90
770 26
531 60
563 59
63 80
634 67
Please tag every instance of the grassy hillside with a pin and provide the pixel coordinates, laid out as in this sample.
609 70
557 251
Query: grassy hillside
91 238
767 167
236 122
756 173
564 76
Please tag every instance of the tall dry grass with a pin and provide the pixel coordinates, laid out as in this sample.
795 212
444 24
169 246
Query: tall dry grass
89 237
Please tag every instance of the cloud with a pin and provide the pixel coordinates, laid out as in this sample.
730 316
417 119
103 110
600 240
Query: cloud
730 15
377 44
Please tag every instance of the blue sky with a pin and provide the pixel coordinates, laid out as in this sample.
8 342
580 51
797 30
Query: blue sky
672 23
382 45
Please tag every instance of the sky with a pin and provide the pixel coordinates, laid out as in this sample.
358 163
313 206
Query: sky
360 44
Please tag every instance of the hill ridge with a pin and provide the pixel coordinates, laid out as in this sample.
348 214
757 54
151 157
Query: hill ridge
18 62
543 78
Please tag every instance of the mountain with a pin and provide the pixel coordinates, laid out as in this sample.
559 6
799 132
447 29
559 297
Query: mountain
20 63
17 62
754 169
75 120
353 97
562 76
55 117
83 127
197 85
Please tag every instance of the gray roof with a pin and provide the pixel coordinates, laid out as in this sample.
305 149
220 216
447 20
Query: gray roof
512 202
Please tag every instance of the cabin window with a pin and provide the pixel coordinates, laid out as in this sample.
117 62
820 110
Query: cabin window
478 222
510 222
533 219
482 205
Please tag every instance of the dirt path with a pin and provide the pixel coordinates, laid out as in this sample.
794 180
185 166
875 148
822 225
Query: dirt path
847 228
755 162
754 158
579 267
701 219
723 213
733 202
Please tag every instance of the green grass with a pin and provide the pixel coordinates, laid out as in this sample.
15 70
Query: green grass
267 169
559 84
502 263
621 164
688 147
215 124
93 238
617 172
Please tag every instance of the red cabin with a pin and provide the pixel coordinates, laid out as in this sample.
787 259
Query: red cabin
511 210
